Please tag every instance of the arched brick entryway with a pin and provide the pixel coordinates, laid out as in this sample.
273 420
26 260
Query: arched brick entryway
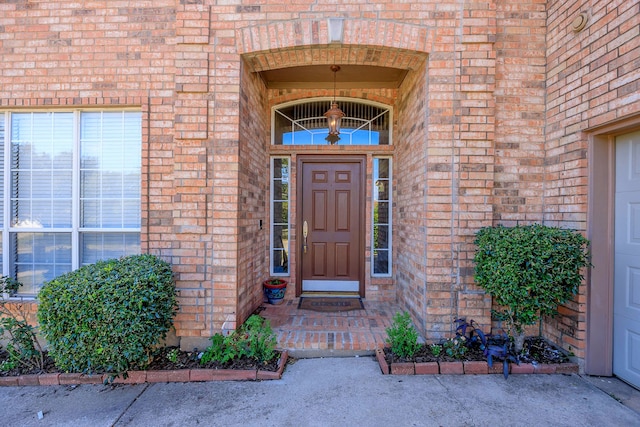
422 281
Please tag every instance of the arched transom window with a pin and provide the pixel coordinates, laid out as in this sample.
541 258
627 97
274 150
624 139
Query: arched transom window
304 123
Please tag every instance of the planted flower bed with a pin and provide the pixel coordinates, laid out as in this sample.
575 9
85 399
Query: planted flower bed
168 364
538 357
248 354
470 351
528 271
103 323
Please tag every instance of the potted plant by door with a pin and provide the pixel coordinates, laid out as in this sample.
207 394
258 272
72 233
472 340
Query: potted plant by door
274 289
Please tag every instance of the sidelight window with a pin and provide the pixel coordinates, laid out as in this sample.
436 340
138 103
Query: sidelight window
381 245
280 216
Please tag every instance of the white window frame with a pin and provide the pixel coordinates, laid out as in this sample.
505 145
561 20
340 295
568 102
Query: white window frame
75 230
272 225
390 222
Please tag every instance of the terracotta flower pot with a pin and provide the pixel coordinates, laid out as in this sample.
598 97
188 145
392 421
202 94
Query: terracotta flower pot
275 289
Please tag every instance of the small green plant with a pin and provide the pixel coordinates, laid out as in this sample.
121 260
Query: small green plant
23 347
436 349
261 341
529 271
221 350
107 316
172 356
455 347
255 339
402 336
8 365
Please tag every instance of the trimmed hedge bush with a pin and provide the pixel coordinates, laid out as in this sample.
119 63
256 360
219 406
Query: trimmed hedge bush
529 270
107 316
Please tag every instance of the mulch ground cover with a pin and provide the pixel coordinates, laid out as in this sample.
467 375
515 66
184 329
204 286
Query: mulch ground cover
536 350
161 360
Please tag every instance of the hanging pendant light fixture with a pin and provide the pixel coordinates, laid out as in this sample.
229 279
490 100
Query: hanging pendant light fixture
335 114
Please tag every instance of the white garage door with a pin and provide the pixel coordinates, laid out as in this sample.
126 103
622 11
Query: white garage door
626 310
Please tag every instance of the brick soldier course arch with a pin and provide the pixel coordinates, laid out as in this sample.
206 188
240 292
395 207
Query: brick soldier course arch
382 56
362 34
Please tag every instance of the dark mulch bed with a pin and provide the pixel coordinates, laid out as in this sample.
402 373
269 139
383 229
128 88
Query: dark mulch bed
159 362
189 360
536 350
49 366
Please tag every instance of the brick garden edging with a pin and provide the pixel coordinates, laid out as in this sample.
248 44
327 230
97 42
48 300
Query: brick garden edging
470 367
141 377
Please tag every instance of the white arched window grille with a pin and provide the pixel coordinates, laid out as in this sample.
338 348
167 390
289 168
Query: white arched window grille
304 123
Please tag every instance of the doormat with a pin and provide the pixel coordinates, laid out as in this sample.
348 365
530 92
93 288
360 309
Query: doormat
330 304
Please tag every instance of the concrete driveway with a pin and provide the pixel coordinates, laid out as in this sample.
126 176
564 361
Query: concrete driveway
326 392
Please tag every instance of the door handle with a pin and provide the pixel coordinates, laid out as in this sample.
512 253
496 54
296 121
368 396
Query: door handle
305 233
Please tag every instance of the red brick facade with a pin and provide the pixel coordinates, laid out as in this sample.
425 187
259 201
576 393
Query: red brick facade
593 79
488 127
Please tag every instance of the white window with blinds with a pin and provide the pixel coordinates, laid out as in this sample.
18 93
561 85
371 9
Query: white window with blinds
70 191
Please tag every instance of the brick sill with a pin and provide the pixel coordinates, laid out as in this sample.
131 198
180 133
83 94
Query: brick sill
140 377
470 368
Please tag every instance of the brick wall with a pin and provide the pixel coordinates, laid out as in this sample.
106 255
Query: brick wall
488 126
474 164
592 79
190 224
410 202
520 105
519 153
253 267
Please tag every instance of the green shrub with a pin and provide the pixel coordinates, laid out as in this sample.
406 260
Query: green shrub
255 339
402 336
106 317
529 270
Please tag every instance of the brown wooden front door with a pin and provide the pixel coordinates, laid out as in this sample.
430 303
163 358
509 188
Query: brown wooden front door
332 207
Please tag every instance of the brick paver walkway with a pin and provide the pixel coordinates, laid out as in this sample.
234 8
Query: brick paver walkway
357 331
